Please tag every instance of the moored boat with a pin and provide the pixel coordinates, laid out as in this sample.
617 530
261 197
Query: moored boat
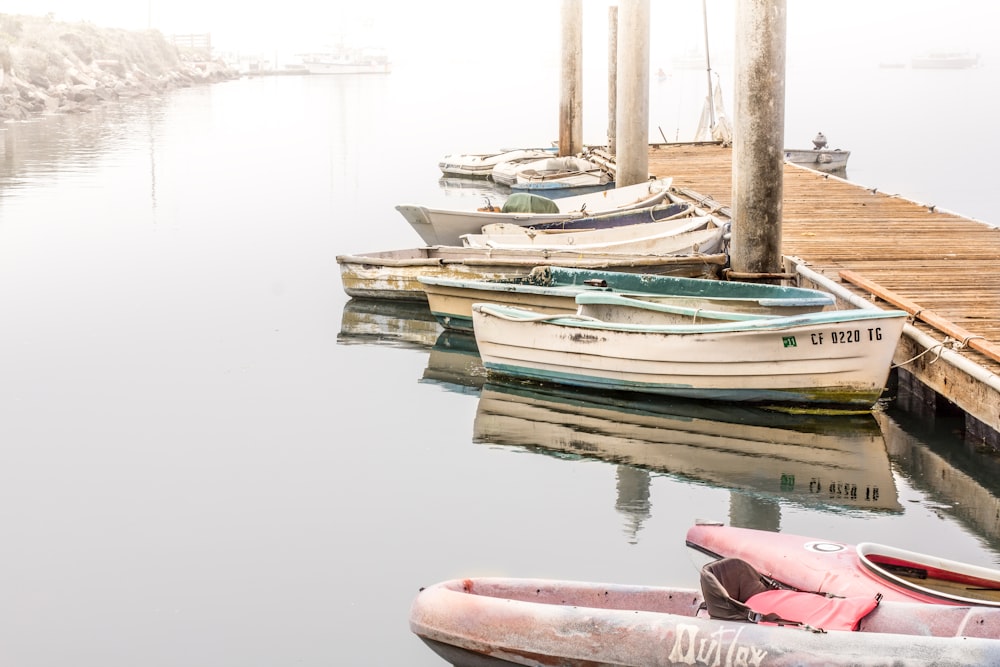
819 157
553 289
561 173
479 622
437 226
656 213
395 274
831 358
701 234
825 160
480 165
815 564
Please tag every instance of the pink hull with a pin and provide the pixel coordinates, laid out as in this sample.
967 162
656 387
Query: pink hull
813 564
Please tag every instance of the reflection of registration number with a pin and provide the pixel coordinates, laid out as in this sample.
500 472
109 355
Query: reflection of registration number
847 336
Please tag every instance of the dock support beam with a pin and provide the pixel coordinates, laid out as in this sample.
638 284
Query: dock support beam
571 79
759 136
632 163
612 79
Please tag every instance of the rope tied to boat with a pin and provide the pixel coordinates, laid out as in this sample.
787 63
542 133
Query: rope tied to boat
948 342
939 348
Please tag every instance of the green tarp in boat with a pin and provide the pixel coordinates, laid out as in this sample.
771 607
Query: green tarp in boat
525 202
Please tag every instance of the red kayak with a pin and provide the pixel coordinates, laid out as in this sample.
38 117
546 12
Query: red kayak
818 565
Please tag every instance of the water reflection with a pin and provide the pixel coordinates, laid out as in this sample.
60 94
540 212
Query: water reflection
454 363
834 462
766 459
403 323
41 147
959 482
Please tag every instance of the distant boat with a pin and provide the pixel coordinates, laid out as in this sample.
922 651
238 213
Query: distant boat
692 59
480 165
347 60
945 60
819 157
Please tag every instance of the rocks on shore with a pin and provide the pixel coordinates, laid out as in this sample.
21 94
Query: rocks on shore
70 83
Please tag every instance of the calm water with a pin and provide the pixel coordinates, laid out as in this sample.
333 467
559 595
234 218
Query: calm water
209 457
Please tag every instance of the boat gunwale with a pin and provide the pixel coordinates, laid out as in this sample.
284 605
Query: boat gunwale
953 571
763 323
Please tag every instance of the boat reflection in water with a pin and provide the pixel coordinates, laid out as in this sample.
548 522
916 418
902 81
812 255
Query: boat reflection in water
454 363
833 462
403 323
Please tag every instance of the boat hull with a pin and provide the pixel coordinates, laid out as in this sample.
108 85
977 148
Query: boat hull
395 274
481 165
560 173
554 289
658 213
815 564
670 237
820 160
447 226
838 358
493 621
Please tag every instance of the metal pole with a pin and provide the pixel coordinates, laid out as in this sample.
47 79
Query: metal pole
708 68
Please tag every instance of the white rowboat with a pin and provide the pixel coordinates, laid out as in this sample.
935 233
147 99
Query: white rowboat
446 226
825 358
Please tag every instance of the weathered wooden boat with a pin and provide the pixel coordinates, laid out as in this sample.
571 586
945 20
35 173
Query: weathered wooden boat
805 459
479 622
395 274
553 289
833 358
673 237
437 226
480 165
815 564
561 173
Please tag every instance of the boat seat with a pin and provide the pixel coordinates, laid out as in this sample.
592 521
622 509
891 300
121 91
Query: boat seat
734 590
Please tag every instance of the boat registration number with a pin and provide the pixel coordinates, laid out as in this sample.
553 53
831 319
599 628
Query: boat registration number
845 336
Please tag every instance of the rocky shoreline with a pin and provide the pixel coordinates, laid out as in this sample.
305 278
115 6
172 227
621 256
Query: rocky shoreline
51 67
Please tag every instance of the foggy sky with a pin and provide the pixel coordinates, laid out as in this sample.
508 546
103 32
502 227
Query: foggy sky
822 29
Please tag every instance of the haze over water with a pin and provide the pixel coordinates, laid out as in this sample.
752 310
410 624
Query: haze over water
210 457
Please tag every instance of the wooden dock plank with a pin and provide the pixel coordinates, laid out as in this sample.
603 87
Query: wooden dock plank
935 258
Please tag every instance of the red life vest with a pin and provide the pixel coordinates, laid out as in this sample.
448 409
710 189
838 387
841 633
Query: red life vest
818 611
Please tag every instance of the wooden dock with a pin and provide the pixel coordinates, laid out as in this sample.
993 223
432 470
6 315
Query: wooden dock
892 251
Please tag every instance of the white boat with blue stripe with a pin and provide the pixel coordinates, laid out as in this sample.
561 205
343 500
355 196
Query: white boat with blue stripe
616 342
